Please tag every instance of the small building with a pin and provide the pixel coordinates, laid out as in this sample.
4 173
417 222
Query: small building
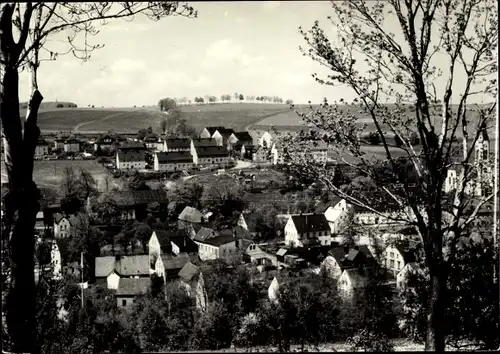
129 288
254 254
42 148
339 259
72 145
177 144
109 270
151 141
261 155
191 279
198 143
62 226
305 229
210 156
173 161
189 218
222 245
105 142
351 285
396 256
130 159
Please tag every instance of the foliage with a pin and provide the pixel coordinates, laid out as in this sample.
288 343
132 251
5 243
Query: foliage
374 138
366 341
225 200
212 329
186 193
167 104
75 189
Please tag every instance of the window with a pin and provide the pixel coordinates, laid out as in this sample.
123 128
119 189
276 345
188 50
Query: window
399 265
391 254
392 263
124 302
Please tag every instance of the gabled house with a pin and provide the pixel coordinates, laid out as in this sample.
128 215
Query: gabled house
191 279
62 225
151 140
337 215
256 255
198 143
305 229
339 259
396 256
129 288
71 145
261 155
130 159
177 144
42 148
189 219
223 136
110 270
222 245
173 161
316 151
351 284
210 156
105 142
168 265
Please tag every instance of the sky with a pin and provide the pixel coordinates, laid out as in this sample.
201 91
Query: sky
246 47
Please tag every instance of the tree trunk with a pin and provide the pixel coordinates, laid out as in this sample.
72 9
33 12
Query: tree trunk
22 205
435 318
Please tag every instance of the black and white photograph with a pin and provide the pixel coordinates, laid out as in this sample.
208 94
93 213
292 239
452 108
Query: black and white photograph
249 176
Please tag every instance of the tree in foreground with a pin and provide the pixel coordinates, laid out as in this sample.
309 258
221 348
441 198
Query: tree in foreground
25 34
400 65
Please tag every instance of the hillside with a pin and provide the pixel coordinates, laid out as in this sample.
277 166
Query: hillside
51 105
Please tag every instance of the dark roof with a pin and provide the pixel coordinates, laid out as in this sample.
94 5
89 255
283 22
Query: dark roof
191 215
184 242
41 141
189 271
204 142
212 130
72 141
133 286
178 143
244 137
131 155
151 138
58 217
224 237
203 233
163 238
123 265
132 146
101 138
171 262
408 254
175 156
241 233
310 222
211 151
132 198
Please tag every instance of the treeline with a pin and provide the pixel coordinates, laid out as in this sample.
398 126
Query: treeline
226 98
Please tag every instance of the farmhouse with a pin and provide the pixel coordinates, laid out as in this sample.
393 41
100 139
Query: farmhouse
105 142
211 155
130 159
219 247
305 229
173 161
151 140
222 135
129 289
62 225
72 145
110 270
42 148
198 143
177 144
159 244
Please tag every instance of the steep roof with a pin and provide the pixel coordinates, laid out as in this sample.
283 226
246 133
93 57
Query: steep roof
191 215
184 242
58 217
241 233
244 137
174 156
178 143
163 238
310 223
189 271
131 155
211 151
171 262
133 286
123 265
204 142
203 233
224 237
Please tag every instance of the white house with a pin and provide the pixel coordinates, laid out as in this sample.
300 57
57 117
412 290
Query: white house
42 148
395 257
337 215
210 156
273 291
351 284
71 145
222 245
173 161
131 159
110 269
306 229
177 144
62 226
266 140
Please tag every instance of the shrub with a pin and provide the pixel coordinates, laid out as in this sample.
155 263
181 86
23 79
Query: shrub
60 105
374 138
368 341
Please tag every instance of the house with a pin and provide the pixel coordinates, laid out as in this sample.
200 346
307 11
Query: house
396 256
223 136
191 279
129 288
59 141
222 245
256 255
151 140
131 204
351 284
403 276
182 244
266 140
159 243
42 148
244 145
339 259
173 161
72 145
198 143
307 229
210 156
273 291
105 142
130 159
337 215
261 155
110 270
316 151
177 144
189 218
62 225
168 265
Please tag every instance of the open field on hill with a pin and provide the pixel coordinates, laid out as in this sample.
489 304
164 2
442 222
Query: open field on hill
49 174
236 115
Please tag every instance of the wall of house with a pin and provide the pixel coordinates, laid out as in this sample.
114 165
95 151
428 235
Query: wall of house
291 235
210 252
209 161
205 134
393 260
154 248
337 216
218 138
113 280
331 267
41 150
140 165
62 229
124 301
171 167
73 147
345 289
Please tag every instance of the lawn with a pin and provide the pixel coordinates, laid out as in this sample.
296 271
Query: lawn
49 174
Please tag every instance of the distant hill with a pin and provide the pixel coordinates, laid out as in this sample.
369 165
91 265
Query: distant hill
52 105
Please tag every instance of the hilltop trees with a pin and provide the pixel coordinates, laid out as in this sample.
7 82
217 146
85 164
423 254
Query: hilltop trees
25 33
167 104
403 69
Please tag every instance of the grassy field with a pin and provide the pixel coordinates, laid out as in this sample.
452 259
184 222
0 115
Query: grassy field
49 174
236 115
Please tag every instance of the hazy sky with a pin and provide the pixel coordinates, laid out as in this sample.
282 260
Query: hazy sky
246 47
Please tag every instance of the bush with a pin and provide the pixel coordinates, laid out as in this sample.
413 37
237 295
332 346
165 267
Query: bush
374 138
60 105
368 341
